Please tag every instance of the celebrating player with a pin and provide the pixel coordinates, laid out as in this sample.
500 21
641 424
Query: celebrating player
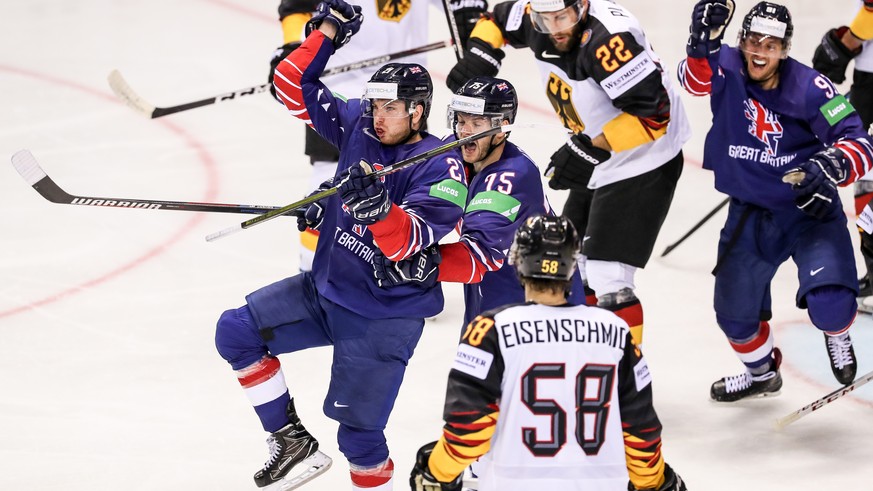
775 120
608 87
373 331
518 367
391 26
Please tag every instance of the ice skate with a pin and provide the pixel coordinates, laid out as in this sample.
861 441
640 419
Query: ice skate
746 385
294 457
842 357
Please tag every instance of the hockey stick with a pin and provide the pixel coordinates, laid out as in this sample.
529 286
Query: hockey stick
379 173
819 403
123 91
699 224
453 30
26 165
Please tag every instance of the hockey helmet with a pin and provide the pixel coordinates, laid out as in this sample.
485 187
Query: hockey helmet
408 82
545 247
484 96
545 16
770 20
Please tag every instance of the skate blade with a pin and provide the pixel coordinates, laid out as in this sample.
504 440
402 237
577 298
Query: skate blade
749 398
312 467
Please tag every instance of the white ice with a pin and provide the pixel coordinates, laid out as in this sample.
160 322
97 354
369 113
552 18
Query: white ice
109 375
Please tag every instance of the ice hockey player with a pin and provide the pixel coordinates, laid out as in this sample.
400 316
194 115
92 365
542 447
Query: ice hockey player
775 120
520 368
609 88
373 331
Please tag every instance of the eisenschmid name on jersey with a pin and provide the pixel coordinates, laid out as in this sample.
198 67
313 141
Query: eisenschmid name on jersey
563 331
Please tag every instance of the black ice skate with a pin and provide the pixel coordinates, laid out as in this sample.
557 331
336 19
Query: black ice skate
842 357
746 385
294 457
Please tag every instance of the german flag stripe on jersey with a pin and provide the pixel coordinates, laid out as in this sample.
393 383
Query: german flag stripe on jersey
862 25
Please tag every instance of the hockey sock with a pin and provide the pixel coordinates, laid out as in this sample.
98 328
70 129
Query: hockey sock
626 305
756 352
264 385
379 478
832 308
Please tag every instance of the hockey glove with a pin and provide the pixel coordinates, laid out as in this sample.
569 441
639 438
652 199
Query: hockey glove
832 57
572 165
279 54
422 268
313 215
364 195
480 58
346 18
817 192
672 482
467 13
420 479
708 21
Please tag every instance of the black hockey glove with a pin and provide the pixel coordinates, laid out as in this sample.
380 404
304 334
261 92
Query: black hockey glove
672 482
346 18
708 20
832 57
817 192
279 54
466 13
572 165
313 215
364 195
480 59
422 268
420 479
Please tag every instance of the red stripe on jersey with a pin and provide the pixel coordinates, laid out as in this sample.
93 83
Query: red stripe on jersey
260 372
371 478
861 202
697 76
459 264
856 157
289 73
393 234
756 342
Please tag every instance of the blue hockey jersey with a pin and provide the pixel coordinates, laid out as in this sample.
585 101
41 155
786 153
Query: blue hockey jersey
757 135
428 197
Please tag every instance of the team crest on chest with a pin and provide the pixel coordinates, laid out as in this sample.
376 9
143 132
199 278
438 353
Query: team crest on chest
764 126
560 94
393 10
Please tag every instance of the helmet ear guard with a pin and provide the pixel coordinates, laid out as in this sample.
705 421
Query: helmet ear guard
545 247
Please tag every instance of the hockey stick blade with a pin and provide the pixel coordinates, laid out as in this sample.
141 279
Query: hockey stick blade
699 224
823 401
29 169
331 191
123 91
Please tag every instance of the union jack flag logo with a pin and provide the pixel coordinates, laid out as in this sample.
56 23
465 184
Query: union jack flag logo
415 69
765 125
502 86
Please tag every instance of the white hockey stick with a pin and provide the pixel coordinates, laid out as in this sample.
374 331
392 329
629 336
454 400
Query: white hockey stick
819 403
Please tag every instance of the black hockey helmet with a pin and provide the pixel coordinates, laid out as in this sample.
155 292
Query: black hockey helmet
408 82
538 7
545 247
769 19
484 96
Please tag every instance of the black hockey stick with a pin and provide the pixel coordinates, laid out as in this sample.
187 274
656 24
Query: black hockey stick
453 30
699 224
123 91
26 165
823 401
379 173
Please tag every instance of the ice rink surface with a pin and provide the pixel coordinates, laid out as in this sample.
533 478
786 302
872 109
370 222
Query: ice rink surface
108 369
